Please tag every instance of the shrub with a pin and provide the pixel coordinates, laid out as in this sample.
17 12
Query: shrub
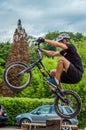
16 106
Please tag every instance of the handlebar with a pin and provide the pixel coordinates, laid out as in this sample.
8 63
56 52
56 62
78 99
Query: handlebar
38 50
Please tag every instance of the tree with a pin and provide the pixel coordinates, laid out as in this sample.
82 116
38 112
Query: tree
51 36
18 52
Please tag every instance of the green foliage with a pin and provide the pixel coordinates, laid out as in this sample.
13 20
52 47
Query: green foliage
82 93
4 50
33 55
1 73
82 51
16 106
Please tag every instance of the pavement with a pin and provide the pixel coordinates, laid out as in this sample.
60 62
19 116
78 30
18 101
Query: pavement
9 128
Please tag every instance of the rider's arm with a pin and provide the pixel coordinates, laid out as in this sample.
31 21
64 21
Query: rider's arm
56 44
51 53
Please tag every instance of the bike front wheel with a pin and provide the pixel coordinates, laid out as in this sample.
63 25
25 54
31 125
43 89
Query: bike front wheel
14 79
69 106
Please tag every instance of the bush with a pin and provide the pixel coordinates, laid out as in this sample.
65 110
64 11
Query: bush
16 106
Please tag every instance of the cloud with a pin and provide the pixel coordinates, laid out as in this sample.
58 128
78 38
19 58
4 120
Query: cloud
39 17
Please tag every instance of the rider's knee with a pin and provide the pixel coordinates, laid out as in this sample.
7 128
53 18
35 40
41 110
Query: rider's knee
61 61
53 72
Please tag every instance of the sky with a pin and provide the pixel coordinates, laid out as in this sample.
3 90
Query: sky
42 16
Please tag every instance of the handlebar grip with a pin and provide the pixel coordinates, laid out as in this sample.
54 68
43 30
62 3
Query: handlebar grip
37 43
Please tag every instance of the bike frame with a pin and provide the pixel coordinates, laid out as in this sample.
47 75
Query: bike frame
39 64
44 72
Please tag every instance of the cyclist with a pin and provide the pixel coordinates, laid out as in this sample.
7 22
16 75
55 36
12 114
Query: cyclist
69 68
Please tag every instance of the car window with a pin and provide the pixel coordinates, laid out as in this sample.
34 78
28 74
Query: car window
44 110
68 110
53 109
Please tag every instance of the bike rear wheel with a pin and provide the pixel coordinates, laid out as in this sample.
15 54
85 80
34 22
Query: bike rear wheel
15 81
71 103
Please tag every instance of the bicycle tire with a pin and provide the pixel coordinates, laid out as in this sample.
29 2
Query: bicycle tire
17 83
76 102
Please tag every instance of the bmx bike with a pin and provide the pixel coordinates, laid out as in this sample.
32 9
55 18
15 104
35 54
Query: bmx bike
21 77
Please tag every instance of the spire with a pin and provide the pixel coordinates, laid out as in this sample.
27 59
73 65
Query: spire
20 33
19 24
18 53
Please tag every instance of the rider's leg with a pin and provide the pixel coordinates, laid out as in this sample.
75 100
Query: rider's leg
60 85
53 74
63 64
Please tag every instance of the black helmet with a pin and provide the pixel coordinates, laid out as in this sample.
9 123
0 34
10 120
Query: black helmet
62 36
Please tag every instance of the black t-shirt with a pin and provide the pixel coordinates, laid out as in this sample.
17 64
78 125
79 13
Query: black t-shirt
71 55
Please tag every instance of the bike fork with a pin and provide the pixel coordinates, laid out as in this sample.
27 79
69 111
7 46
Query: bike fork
61 95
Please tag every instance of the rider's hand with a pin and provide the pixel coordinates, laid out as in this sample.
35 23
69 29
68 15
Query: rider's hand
40 40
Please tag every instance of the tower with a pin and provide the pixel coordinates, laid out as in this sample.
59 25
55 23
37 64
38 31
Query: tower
19 52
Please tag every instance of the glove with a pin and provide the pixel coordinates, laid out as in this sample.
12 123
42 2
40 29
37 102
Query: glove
40 40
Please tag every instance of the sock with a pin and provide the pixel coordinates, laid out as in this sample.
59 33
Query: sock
57 81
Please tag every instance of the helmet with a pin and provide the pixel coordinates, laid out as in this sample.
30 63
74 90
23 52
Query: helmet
62 36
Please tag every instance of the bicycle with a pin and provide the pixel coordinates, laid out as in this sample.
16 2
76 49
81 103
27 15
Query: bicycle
21 78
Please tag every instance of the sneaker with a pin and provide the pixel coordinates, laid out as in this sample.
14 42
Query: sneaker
52 81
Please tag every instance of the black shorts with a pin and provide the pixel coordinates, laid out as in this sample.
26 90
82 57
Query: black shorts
72 76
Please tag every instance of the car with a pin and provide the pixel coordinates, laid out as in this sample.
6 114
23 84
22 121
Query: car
43 113
3 115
